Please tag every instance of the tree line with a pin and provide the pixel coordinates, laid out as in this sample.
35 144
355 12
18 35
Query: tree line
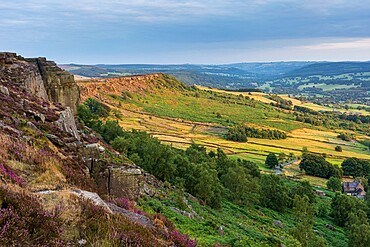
240 133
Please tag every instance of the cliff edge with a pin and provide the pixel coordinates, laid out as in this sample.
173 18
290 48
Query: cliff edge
40 77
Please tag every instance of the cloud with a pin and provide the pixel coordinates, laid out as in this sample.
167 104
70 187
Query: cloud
350 44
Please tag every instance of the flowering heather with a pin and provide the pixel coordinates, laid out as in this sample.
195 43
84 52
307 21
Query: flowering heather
125 203
8 173
23 221
182 240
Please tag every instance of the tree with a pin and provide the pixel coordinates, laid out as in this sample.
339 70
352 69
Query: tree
242 187
304 214
303 188
271 161
273 193
338 148
334 184
358 229
342 205
355 167
316 165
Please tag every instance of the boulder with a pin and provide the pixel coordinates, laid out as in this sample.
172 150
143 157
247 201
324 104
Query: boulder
66 122
32 126
330 227
4 90
220 231
95 198
55 140
124 181
278 223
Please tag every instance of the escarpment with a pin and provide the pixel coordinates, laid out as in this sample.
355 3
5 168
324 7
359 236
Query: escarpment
40 97
40 77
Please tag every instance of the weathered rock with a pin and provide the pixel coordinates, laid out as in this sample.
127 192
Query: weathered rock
59 84
184 213
32 126
94 198
11 130
134 217
95 147
40 77
36 115
4 90
278 223
55 140
67 123
330 227
124 181
220 231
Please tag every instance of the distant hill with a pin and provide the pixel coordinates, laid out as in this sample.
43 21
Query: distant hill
330 69
306 78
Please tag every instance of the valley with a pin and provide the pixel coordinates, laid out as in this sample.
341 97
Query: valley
180 115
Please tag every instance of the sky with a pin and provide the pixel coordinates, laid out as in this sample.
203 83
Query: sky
186 31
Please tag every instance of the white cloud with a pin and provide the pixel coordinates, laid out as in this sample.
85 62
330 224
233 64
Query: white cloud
349 44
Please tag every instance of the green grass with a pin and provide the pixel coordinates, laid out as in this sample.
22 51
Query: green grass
204 109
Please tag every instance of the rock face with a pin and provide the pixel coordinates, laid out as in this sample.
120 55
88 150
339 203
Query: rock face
117 179
67 123
59 84
40 77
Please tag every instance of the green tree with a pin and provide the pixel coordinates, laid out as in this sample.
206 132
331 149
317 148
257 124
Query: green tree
342 205
358 229
316 165
271 161
241 187
110 130
273 193
303 188
334 184
355 167
208 187
304 214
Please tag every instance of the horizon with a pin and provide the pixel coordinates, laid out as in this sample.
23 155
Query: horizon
218 64
187 31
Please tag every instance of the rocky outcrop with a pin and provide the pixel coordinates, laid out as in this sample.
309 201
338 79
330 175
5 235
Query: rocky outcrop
40 77
67 123
118 179
15 69
59 84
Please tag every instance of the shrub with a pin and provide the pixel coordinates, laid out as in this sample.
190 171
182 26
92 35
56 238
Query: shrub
23 222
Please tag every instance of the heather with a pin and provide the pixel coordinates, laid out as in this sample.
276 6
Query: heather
23 221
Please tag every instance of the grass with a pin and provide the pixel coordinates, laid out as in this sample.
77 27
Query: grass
246 225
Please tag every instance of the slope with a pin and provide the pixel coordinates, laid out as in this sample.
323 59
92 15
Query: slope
181 115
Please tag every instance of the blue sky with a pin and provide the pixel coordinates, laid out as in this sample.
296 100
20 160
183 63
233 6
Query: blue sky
186 31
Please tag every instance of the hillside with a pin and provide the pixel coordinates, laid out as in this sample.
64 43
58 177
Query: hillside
60 183
330 69
191 119
181 115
